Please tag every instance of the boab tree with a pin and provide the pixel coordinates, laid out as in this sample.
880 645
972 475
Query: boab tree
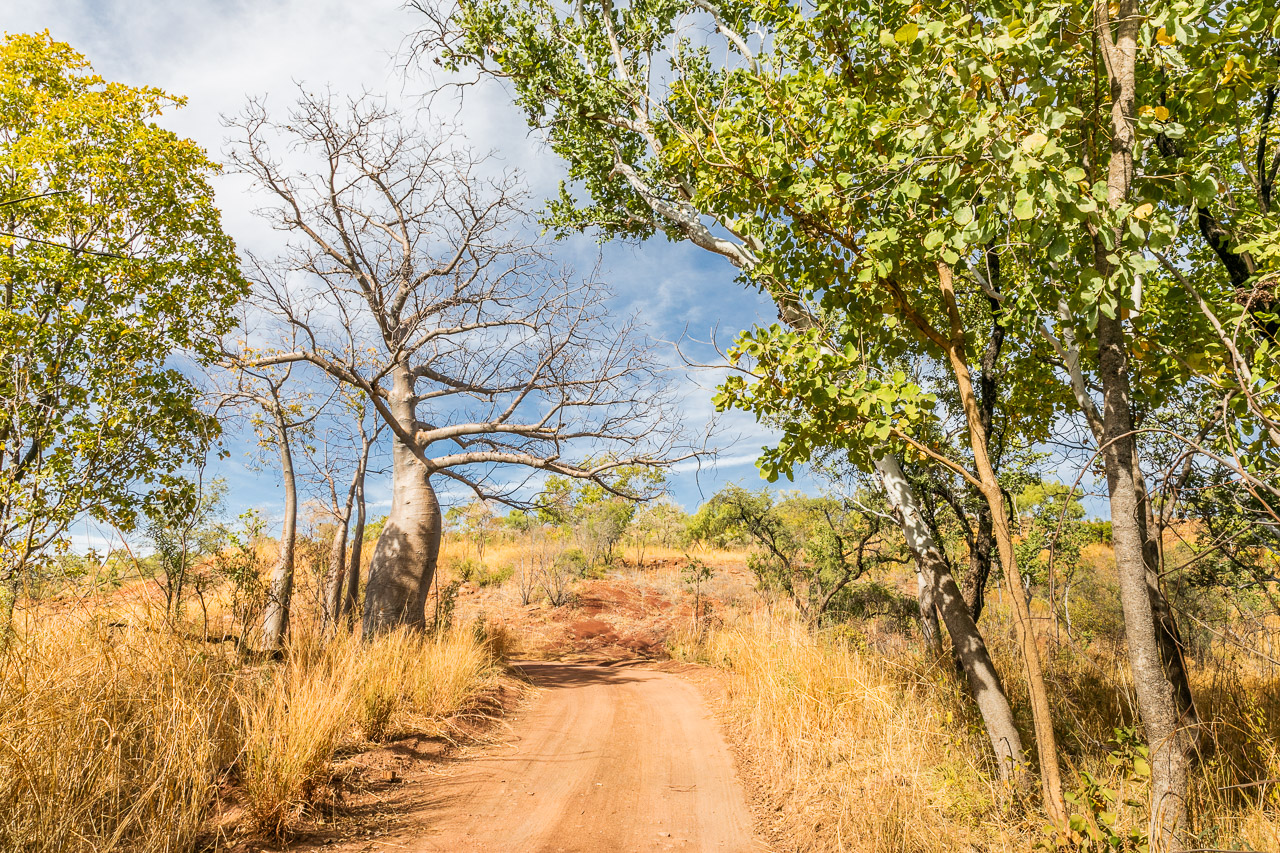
406 278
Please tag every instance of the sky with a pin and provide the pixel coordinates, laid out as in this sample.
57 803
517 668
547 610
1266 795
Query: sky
219 53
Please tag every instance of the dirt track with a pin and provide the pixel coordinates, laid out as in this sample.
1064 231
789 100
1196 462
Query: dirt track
603 759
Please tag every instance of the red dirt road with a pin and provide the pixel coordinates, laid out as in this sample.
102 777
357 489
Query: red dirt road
604 759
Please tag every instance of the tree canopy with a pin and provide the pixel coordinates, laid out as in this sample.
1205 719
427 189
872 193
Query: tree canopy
115 276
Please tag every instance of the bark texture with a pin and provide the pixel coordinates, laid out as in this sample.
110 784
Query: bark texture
1168 742
404 558
970 649
335 579
928 601
351 595
275 618
989 485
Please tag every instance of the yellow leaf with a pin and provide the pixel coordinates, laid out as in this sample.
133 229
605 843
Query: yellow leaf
1145 110
1035 141
1164 38
1162 113
914 10
1142 211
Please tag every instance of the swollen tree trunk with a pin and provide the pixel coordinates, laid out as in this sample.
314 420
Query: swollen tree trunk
1168 742
404 559
970 649
275 619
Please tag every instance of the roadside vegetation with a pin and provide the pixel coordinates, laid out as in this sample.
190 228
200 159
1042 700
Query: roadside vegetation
1024 260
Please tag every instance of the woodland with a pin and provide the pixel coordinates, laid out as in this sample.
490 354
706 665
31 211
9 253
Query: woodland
1024 262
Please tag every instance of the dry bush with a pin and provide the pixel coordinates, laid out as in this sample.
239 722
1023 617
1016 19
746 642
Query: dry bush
343 689
859 746
111 739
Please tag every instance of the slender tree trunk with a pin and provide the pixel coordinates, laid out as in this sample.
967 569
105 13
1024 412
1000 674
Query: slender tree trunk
275 620
984 682
1168 636
351 597
927 597
404 559
975 582
1169 743
337 575
1046 741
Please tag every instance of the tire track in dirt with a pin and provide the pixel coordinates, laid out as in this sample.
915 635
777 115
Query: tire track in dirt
603 759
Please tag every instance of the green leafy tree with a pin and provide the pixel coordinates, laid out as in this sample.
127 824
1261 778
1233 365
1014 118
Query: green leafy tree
599 512
914 185
113 267
809 549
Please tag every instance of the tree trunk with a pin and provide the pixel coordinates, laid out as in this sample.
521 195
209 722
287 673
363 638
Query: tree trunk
404 559
335 579
1168 636
275 620
975 582
928 600
351 596
1046 740
1157 698
984 682
1169 744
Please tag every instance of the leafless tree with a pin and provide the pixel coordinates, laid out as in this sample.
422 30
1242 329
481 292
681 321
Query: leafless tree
280 410
406 278
340 451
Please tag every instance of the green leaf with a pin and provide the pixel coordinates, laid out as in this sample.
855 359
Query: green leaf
1024 206
906 33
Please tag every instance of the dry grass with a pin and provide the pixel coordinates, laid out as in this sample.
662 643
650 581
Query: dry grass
855 750
119 739
111 739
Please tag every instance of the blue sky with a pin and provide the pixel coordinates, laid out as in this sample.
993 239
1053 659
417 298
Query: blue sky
220 52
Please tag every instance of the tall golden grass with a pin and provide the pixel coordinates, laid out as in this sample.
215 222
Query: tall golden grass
119 738
852 750
856 749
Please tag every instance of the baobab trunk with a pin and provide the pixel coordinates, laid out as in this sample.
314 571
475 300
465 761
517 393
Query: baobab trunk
404 558
275 619
984 682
